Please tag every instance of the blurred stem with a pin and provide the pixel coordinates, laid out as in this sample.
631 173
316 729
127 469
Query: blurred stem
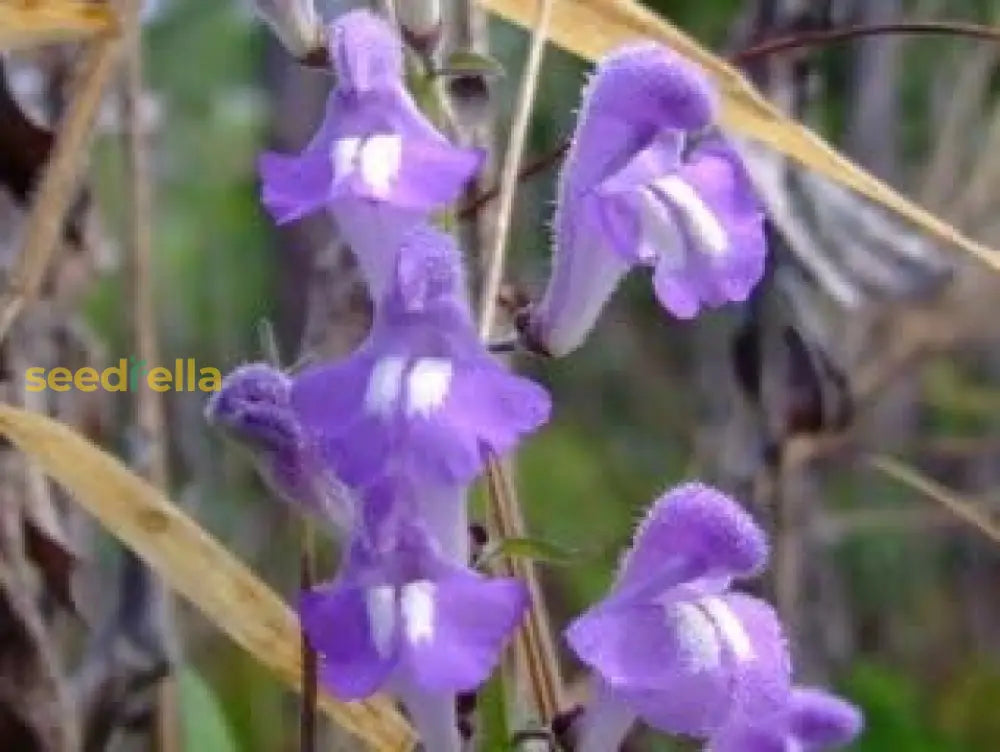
963 509
823 37
512 166
535 637
307 576
148 406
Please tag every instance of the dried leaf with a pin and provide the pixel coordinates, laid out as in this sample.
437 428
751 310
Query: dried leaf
191 562
590 28
24 23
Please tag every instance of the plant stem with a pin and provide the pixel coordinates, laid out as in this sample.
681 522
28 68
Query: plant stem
307 709
512 165
535 637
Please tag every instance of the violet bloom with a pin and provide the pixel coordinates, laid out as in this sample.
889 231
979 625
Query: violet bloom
402 617
671 644
254 408
376 162
813 721
637 189
421 397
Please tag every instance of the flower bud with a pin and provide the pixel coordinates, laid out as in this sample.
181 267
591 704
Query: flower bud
295 23
420 21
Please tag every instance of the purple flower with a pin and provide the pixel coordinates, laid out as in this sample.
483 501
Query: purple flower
671 644
254 408
421 397
638 188
813 721
400 612
376 162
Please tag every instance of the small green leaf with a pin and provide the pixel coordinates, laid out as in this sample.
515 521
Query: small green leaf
493 717
528 548
467 63
205 726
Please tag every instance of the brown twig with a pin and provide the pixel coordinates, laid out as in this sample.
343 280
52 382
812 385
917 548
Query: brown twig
535 637
307 711
148 404
512 165
823 37
958 506
534 167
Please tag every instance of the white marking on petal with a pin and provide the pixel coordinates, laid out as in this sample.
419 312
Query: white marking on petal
345 156
381 157
730 628
700 218
418 611
660 234
380 602
698 639
384 386
429 382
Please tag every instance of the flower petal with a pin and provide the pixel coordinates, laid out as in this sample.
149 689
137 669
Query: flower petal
374 231
432 173
367 53
648 84
294 187
337 619
456 628
820 720
680 665
339 405
660 158
694 531
585 273
433 714
763 667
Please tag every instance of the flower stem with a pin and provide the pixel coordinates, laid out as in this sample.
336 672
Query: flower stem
512 165
534 638
307 709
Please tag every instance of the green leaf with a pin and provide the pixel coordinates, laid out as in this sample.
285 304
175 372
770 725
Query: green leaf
493 715
204 725
467 62
528 548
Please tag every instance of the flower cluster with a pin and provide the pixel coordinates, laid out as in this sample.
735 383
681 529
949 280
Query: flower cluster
384 444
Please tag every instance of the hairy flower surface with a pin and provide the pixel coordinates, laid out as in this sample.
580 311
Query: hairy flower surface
639 188
671 643
421 397
813 721
254 407
376 162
